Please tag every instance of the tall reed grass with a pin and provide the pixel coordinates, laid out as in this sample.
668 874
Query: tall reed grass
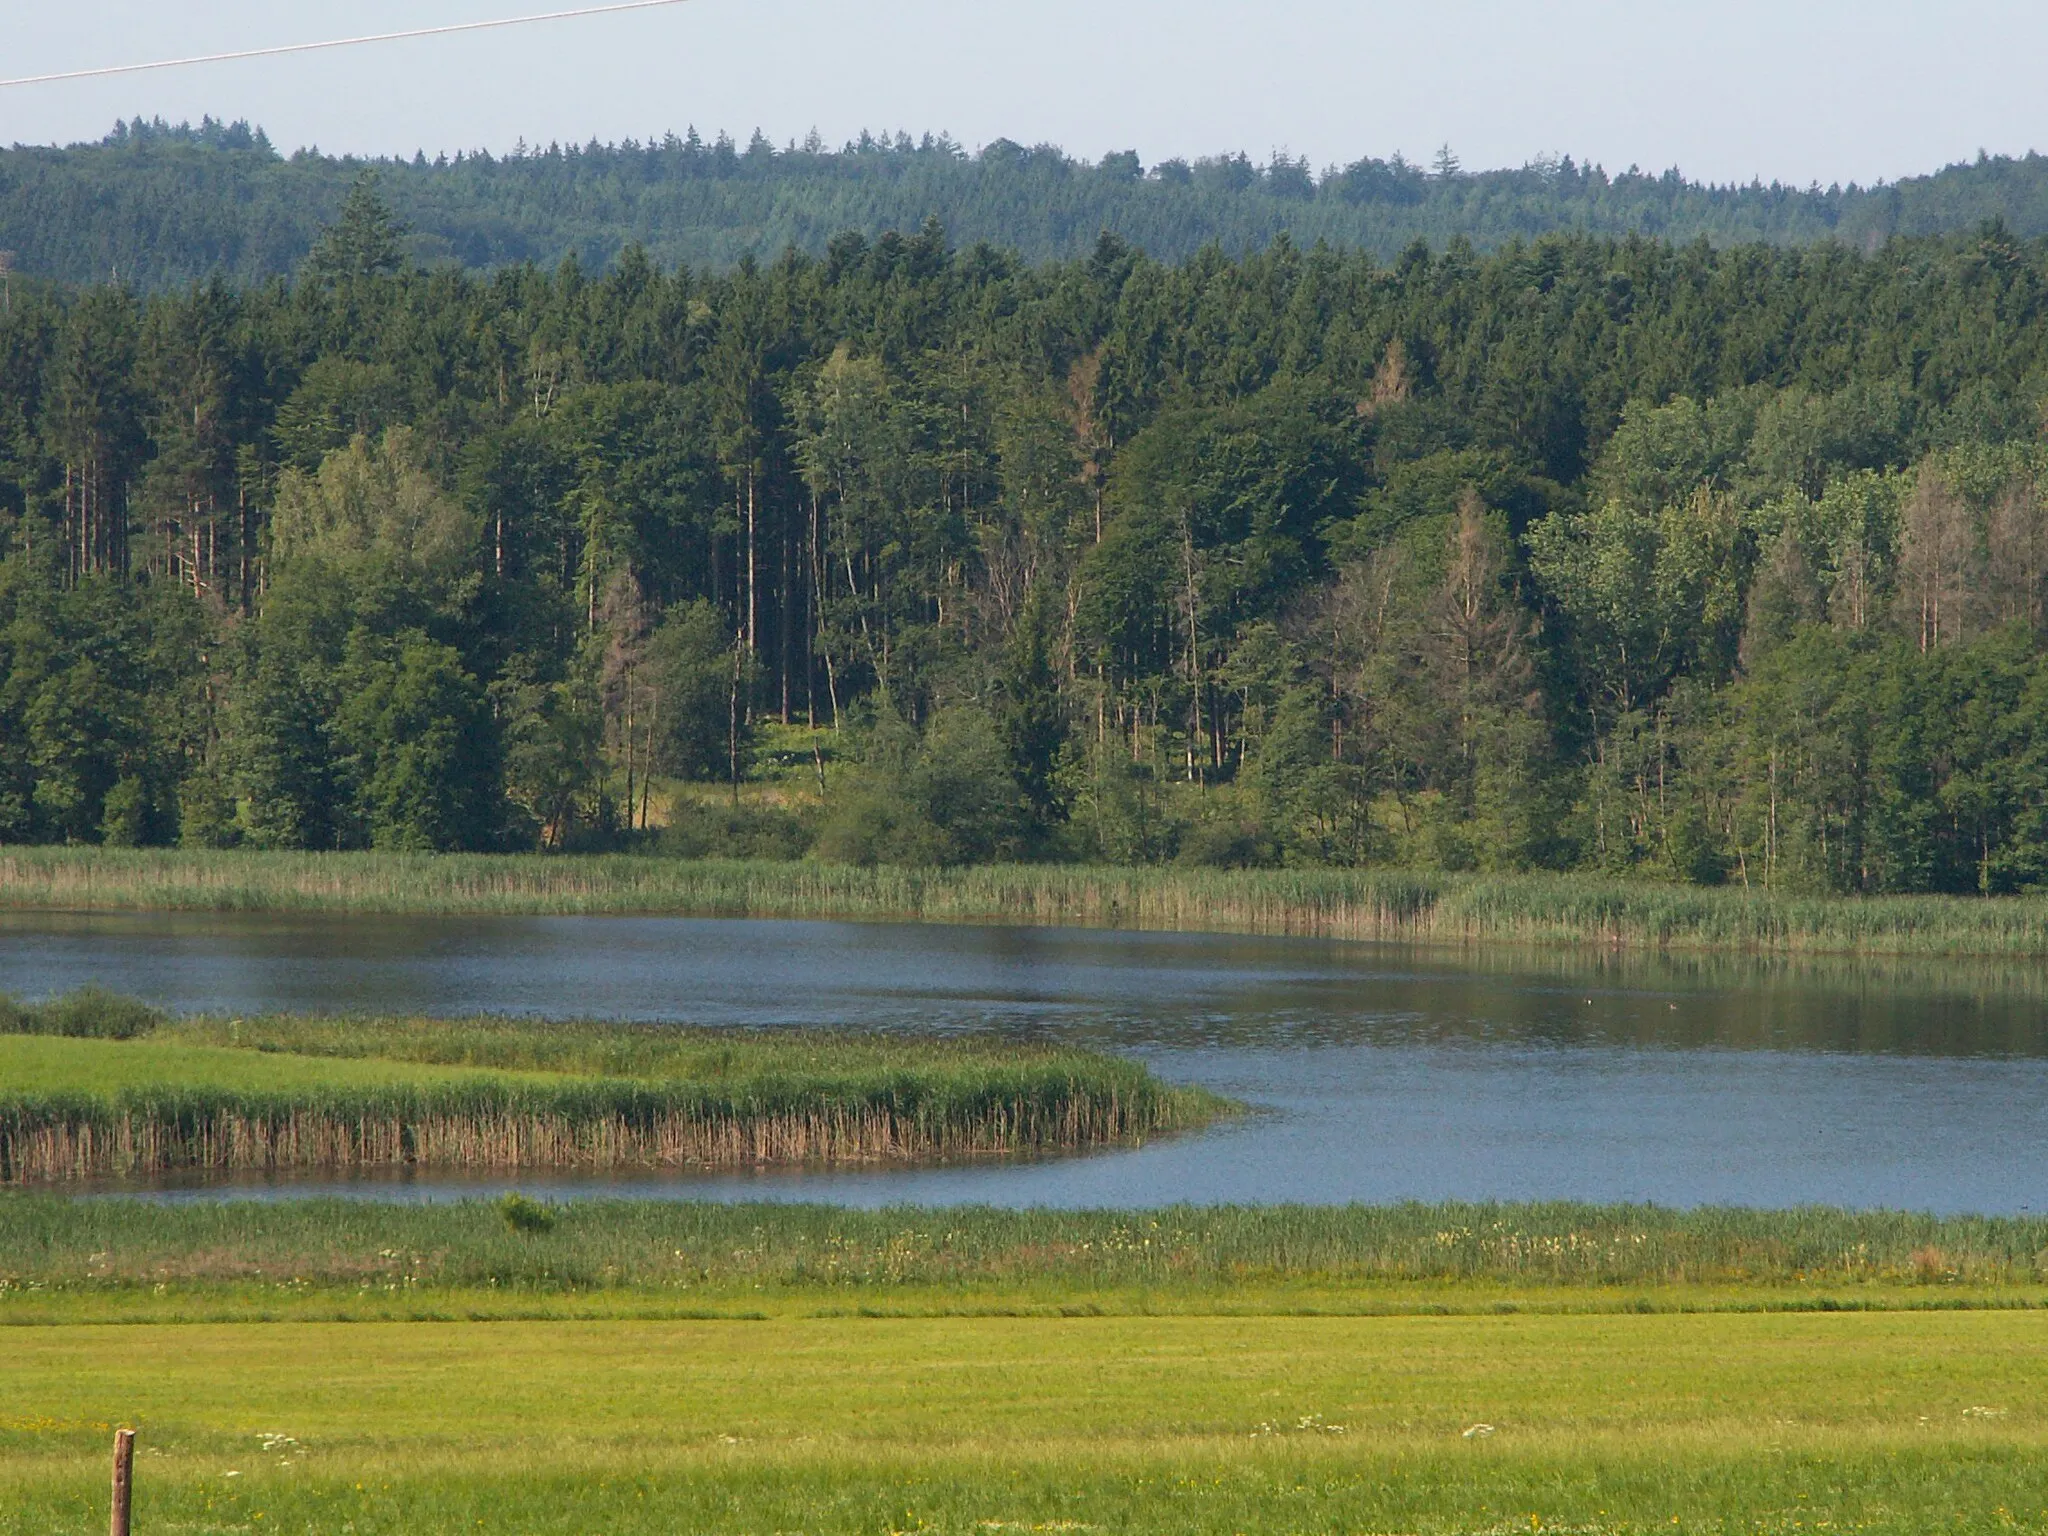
1341 904
577 1125
531 1096
665 1246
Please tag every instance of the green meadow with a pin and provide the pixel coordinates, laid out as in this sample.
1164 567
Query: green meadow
630 1367
1874 1421
108 1070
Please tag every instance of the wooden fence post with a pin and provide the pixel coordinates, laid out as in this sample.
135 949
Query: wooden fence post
124 1481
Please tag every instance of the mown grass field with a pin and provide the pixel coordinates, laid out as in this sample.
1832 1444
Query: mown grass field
1885 1422
1342 904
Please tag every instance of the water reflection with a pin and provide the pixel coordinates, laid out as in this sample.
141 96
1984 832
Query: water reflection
1125 989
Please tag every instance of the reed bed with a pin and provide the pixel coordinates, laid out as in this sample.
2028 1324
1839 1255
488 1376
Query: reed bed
348 1095
1338 904
54 1242
590 1126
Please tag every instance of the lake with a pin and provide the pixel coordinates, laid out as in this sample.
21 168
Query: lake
1374 1073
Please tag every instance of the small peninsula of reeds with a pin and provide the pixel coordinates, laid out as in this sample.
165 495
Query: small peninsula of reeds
96 1087
1370 904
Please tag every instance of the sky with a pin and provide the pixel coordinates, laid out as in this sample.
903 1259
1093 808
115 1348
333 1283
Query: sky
1793 90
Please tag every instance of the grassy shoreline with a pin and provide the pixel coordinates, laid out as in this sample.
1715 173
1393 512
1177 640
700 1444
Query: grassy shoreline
348 1094
1341 904
111 1258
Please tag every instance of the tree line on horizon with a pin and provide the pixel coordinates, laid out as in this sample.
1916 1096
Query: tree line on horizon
157 205
1716 565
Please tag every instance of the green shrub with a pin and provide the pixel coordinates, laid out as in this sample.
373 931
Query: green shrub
700 831
941 799
524 1215
90 1013
1238 843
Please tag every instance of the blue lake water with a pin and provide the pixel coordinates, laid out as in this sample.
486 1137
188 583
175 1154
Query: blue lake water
1374 1073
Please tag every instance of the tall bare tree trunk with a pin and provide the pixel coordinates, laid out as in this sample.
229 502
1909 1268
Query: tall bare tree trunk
753 598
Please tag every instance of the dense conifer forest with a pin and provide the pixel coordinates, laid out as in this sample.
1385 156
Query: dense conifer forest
1722 563
157 206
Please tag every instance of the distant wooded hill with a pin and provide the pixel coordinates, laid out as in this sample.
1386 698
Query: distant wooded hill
155 205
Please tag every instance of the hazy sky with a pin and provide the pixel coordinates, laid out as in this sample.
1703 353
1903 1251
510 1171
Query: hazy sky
1799 90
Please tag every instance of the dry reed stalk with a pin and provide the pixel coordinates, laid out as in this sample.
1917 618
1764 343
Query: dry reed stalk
130 1145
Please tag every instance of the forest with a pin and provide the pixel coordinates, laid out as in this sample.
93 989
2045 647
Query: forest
158 205
1716 564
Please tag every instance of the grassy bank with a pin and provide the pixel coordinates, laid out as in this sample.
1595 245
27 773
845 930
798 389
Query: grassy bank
645 1368
339 1094
1345 904
68 1258
963 1426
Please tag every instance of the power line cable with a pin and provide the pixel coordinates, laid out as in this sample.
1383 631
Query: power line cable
341 42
